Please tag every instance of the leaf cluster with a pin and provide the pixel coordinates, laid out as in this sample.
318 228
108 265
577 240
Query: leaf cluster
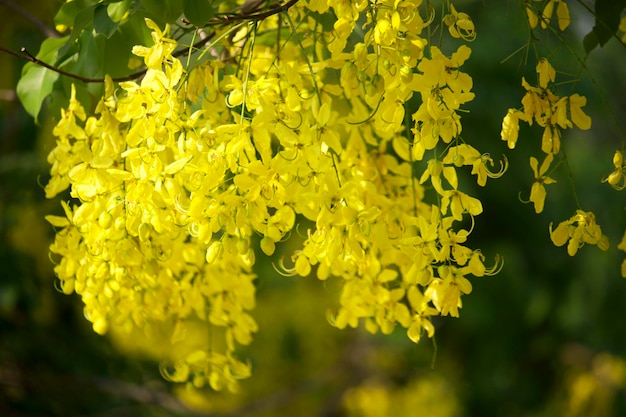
99 37
607 17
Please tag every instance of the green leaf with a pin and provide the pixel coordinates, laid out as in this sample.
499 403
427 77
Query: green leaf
590 42
68 12
198 12
102 23
167 11
118 50
89 61
37 82
607 14
116 11
84 22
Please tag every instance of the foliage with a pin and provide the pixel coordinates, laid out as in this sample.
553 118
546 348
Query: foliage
314 133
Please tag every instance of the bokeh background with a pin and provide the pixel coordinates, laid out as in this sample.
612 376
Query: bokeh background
545 337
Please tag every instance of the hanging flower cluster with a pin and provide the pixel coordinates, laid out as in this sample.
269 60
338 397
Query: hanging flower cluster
178 182
554 114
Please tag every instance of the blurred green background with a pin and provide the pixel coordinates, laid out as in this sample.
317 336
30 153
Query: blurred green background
545 337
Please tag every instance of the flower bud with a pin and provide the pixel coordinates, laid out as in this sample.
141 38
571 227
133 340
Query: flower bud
214 251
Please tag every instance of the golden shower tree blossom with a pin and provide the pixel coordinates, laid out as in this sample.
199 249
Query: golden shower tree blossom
345 134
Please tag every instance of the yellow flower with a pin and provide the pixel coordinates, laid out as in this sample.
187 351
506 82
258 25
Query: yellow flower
538 191
581 228
460 25
580 119
510 126
446 291
434 171
546 73
422 311
67 127
467 155
162 49
617 178
384 32
459 204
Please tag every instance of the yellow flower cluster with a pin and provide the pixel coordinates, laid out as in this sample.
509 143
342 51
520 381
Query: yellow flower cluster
548 110
140 245
590 387
578 230
554 113
180 180
551 112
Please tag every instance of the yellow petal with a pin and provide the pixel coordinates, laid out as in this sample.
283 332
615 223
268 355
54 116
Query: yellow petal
538 196
176 166
546 164
562 14
573 247
560 235
546 15
546 72
534 164
580 119
510 128
547 144
464 285
268 246
533 20
58 221
622 245
303 267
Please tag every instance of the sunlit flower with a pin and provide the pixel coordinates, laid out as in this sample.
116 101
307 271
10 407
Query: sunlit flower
538 191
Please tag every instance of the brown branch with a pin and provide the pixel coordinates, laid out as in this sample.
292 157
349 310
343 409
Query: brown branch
25 55
45 29
254 16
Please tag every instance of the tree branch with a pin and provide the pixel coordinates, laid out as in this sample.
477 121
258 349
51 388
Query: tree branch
45 29
254 16
30 57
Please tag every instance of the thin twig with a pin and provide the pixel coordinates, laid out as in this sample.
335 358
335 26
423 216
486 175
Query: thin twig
45 29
